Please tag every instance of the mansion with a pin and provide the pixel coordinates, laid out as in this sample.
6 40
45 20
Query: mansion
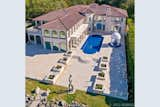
63 29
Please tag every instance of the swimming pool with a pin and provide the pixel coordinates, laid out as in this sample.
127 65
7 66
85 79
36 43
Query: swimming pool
92 44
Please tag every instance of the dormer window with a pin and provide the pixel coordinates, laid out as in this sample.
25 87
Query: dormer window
38 23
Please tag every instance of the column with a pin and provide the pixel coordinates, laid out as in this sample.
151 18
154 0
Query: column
51 43
34 39
29 38
44 45
35 23
41 22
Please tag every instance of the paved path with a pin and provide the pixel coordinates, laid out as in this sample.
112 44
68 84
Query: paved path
83 68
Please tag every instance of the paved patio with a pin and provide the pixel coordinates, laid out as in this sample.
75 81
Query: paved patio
39 61
83 68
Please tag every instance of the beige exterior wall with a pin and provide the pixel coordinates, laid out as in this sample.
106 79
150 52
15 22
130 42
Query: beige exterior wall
90 19
61 43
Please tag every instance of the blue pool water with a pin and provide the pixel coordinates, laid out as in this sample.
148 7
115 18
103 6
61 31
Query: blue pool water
92 44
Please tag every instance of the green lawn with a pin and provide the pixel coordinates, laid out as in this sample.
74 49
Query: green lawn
58 92
130 58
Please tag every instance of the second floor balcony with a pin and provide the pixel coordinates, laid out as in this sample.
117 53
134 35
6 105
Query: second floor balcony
34 31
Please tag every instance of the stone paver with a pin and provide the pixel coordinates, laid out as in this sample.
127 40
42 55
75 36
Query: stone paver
39 65
83 68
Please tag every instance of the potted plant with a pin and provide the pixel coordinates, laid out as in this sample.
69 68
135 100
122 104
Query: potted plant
99 86
101 76
58 67
104 59
51 76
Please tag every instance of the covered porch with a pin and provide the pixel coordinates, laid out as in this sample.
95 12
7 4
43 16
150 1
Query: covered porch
34 35
78 36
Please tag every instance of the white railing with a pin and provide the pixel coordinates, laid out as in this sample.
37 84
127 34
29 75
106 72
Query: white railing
34 31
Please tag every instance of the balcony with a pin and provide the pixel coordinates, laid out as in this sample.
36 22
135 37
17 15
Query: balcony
34 31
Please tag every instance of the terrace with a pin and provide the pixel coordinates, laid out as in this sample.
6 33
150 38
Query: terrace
83 67
33 31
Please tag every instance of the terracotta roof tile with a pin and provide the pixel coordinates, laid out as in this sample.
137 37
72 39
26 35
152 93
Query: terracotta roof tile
60 13
64 19
64 23
56 25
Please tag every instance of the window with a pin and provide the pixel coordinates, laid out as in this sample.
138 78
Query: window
55 46
38 23
31 37
117 19
54 34
121 19
62 34
103 26
46 33
63 46
112 28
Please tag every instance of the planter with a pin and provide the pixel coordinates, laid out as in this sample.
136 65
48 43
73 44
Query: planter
64 60
98 88
69 53
103 66
57 68
101 76
104 59
51 76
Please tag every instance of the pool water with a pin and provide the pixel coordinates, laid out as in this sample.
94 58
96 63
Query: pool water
92 44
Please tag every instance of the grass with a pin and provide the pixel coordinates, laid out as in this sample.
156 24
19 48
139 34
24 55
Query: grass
58 92
130 58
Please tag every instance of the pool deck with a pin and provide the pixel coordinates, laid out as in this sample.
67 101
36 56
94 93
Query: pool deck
84 67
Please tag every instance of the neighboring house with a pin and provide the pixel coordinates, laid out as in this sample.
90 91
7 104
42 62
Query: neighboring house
60 30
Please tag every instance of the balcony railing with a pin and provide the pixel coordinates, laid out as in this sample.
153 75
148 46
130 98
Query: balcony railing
34 31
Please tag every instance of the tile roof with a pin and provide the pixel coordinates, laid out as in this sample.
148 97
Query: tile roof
102 9
60 13
64 19
51 15
55 24
65 22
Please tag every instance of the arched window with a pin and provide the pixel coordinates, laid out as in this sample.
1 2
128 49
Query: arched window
62 34
46 32
54 34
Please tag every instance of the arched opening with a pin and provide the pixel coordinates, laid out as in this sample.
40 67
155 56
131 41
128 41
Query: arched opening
62 34
99 26
48 45
38 39
55 46
54 34
46 32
